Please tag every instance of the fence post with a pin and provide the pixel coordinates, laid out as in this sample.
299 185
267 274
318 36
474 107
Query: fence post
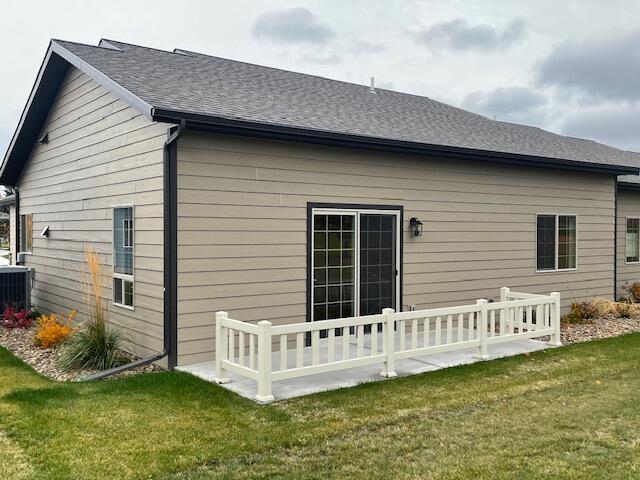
483 326
222 348
264 362
389 345
504 292
555 341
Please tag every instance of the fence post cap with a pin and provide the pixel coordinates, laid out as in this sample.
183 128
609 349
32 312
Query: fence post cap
555 294
481 300
388 310
221 313
506 289
264 323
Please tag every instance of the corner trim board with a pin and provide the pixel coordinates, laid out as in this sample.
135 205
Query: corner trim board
171 244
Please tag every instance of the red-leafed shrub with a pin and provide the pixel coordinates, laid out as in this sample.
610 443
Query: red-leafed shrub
12 318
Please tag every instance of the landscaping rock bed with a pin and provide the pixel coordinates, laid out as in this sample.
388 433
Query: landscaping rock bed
20 342
598 328
595 329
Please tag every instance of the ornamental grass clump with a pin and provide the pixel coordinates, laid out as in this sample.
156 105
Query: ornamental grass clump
96 344
633 290
581 312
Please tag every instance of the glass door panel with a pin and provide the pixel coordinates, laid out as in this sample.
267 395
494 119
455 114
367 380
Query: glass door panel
334 240
377 263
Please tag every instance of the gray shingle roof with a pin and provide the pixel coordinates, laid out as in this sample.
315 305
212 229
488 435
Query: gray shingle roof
212 86
192 83
629 179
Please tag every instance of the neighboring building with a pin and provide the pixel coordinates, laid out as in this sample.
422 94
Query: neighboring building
628 237
8 218
221 185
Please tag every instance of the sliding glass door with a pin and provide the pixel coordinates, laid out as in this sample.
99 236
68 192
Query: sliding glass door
354 262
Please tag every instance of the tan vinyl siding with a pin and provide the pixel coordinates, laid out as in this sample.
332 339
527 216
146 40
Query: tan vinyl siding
628 206
101 153
242 227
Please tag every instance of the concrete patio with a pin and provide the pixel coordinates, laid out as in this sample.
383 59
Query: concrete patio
297 387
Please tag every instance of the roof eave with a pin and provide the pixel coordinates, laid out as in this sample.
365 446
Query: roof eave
628 186
8 200
279 132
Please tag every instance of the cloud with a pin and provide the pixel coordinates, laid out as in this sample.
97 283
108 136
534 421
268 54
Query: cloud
363 46
457 34
514 104
294 25
604 68
321 60
610 124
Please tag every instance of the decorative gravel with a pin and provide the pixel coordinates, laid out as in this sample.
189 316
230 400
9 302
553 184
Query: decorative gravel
20 342
598 328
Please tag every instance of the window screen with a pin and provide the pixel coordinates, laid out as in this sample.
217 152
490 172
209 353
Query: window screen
633 247
123 240
566 242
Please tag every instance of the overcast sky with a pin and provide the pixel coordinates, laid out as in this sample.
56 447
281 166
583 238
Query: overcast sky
572 67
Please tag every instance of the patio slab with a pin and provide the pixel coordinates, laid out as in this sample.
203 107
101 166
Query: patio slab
297 387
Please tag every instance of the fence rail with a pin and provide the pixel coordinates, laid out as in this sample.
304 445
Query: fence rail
332 345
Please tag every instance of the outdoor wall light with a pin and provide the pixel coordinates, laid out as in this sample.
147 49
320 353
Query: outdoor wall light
415 227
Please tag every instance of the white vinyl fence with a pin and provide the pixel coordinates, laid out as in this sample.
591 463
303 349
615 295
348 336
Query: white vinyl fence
332 345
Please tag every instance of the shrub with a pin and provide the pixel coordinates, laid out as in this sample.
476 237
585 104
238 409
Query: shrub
623 310
51 332
581 312
96 344
633 290
12 318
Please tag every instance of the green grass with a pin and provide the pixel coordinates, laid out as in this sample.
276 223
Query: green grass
566 413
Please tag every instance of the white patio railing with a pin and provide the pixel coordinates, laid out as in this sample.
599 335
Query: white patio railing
331 345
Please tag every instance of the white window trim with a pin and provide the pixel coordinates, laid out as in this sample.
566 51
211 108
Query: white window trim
625 241
123 276
556 269
21 236
356 213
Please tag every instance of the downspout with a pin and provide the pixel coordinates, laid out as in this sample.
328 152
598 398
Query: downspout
615 242
170 332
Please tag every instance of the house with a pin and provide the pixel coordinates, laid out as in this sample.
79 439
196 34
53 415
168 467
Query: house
210 184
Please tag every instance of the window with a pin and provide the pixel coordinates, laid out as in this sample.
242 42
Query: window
354 260
123 239
633 239
26 232
556 242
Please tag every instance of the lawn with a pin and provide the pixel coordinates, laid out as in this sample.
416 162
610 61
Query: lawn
572 412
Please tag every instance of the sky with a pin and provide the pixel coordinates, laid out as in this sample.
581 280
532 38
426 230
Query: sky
572 67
